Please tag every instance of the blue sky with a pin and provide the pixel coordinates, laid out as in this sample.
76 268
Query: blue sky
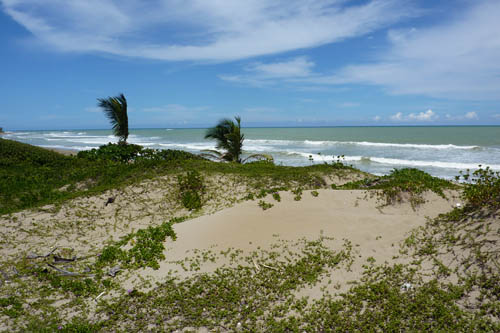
188 63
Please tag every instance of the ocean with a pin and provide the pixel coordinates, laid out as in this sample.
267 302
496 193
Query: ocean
440 151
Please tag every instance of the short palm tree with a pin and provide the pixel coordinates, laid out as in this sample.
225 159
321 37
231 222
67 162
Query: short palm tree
229 138
115 109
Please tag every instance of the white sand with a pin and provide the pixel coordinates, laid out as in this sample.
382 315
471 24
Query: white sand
351 215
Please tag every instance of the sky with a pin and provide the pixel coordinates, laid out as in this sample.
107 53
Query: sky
189 63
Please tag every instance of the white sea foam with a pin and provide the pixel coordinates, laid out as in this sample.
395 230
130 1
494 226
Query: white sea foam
358 143
190 146
412 145
272 142
399 162
435 164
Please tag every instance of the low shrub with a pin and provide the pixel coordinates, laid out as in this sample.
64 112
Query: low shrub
191 189
401 184
482 188
112 151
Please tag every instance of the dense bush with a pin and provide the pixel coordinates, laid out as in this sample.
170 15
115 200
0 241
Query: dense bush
131 152
114 152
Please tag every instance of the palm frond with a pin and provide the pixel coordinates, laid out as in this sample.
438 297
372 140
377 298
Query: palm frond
228 137
212 154
115 109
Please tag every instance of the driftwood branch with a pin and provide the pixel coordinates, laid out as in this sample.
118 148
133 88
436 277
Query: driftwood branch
67 273
36 256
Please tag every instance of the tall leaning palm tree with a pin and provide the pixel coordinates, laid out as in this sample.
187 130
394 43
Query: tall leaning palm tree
229 138
115 109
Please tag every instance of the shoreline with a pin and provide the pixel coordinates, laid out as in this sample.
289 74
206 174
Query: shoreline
66 152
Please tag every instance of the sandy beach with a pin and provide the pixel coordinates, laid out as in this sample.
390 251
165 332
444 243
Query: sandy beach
342 215
67 152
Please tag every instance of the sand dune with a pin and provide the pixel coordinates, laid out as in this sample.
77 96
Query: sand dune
352 215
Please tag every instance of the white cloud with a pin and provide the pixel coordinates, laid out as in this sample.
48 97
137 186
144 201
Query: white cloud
423 116
496 116
471 115
199 29
397 117
376 118
458 59
426 116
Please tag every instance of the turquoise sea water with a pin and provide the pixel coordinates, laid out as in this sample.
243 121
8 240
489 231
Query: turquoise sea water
441 151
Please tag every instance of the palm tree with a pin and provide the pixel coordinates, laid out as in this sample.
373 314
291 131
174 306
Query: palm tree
229 138
115 109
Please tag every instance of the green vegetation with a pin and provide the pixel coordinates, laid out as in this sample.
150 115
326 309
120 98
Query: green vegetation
191 189
265 205
115 108
482 189
255 296
145 247
403 184
32 176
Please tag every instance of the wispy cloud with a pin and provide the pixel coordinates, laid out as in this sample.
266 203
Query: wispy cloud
265 74
199 29
468 116
457 59
297 67
349 105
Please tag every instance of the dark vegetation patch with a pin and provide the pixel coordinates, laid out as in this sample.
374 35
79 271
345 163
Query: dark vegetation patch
31 176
